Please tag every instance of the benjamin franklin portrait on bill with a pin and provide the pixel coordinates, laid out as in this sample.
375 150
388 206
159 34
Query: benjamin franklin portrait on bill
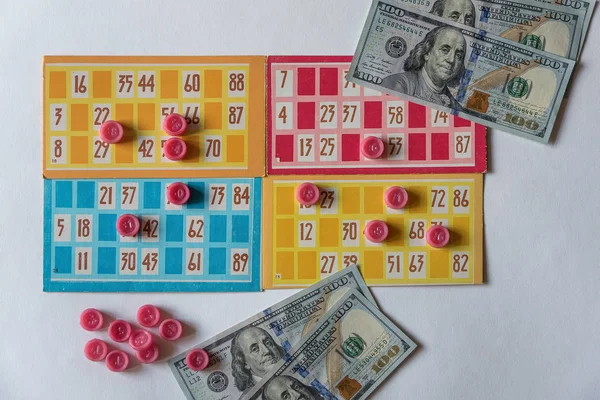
254 353
433 65
459 11
289 388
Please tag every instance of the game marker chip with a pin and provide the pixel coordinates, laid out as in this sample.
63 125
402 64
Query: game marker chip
170 329
307 194
91 319
396 197
117 361
174 124
437 236
175 149
95 350
148 315
376 231
197 359
178 193
119 330
140 340
111 132
372 147
148 355
128 225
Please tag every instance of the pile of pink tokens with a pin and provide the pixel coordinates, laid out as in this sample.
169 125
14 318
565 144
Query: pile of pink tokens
140 340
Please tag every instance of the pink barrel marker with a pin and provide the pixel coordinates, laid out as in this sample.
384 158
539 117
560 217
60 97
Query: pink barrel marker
438 236
170 329
149 355
178 193
372 147
174 124
175 149
197 359
307 194
95 350
396 197
376 231
119 330
111 132
128 225
91 319
117 361
148 315
140 340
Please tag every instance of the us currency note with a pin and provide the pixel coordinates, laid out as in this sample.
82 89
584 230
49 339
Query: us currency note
346 355
552 28
587 6
243 354
458 69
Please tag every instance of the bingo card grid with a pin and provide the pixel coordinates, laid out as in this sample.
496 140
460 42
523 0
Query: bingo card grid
221 97
316 121
302 245
210 244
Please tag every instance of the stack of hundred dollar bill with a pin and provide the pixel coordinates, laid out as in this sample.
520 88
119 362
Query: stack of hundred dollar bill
504 64
329 341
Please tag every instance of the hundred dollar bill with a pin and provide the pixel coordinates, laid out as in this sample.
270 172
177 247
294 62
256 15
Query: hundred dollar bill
346 355
461 70
243 354
551 28
587 6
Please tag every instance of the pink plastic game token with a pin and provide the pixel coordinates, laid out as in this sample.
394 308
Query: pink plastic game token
396 197
175 149
119 330
149 355
371 147
148 315
111 132
437 236
178 193
128 225
117 361
95 350
140 340
91 319
197 359
307 194
376 231
174 124
170 329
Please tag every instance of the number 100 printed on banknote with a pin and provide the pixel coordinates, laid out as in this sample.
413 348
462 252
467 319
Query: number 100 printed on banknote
462 70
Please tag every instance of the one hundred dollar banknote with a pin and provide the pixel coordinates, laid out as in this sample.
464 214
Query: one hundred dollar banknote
243 354
461 70
346 355
556 29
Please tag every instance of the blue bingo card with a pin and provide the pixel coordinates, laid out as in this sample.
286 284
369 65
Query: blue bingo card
210 244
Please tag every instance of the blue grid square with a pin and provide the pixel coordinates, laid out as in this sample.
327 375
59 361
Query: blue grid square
218 229
174 228
240 229
62 259
196 201
152 195
107 260
174 261
107 227
86 194
217 260
64 194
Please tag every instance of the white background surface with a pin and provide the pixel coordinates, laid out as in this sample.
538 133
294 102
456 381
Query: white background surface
531 332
